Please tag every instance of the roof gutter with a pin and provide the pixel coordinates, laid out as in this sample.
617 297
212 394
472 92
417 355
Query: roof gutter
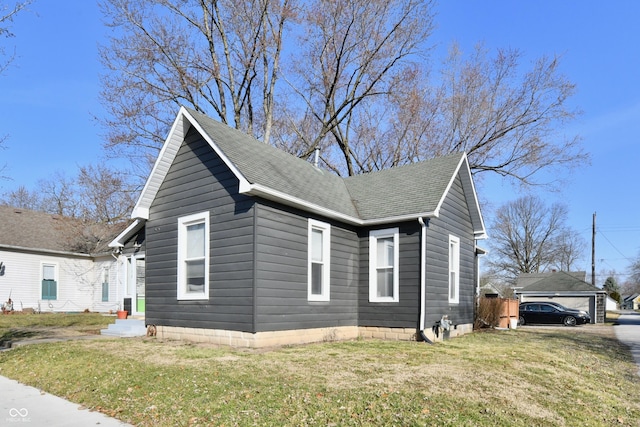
278 196
423 276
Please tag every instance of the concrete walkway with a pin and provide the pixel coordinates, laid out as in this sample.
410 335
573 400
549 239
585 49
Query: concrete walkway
24 405
628 332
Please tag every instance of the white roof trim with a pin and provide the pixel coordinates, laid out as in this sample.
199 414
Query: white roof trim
278 196
176 137
481 232
167 156
121 238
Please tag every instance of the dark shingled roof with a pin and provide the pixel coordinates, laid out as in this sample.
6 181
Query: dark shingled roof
398 194
560 281
32 230
404 190
526 279
264 164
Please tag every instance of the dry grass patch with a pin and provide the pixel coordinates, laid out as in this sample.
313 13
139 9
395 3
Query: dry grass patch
530 376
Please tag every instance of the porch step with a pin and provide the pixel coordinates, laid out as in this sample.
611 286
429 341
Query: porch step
125 328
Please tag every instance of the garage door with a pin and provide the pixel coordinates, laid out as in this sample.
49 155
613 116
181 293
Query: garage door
587 304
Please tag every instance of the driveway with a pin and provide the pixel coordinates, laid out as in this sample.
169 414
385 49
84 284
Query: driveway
628 332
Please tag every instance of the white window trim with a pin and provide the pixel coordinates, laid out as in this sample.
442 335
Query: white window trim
374 235
326 257
182 248
56 274
454 267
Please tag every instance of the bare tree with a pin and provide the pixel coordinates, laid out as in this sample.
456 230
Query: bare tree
96 195
354 54
353 81
7 14
634 275
220 57
59 195
103 194
526 236
570 248
22 198
506 119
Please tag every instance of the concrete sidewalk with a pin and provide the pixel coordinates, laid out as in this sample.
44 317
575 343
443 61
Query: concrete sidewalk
628 332
24 405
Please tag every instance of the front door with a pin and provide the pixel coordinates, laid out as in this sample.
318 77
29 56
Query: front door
139 277
136 283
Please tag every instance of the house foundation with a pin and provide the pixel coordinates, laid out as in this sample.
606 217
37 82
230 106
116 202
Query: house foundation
240 339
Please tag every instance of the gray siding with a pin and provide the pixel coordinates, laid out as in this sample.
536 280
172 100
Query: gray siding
199 181
455 220
281 273
404 313
258 259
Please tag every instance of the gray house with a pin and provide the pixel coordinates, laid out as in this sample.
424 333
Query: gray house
247 245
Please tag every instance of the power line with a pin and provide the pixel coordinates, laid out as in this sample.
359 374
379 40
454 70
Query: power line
613 246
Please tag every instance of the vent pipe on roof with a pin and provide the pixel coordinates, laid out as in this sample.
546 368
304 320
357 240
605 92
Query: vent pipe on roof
316 156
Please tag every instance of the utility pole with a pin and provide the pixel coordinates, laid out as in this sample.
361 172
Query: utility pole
593 251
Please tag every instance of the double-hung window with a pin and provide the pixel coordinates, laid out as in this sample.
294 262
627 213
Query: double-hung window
454 269
383 265
193 257
319 262
105 284
49 282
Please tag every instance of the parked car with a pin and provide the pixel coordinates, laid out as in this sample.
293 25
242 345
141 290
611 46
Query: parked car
551 312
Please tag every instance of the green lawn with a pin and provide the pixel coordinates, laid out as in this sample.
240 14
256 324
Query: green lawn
526 377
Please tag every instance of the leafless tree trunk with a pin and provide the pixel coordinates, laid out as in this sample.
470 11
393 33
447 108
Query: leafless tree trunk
570 248
353 51
220 57
353 80
506 120
526 236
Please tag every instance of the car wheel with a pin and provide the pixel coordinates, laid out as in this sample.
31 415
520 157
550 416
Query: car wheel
521 321
569 321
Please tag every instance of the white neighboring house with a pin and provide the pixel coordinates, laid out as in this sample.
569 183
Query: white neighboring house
51 264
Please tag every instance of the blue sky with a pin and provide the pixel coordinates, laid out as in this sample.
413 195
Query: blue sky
49 96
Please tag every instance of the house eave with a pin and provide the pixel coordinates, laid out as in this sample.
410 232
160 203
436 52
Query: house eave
560 293
280 197
126 234
44 251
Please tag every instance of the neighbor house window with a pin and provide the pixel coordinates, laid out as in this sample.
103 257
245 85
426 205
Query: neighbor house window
193 256
49 282
383 265
454 269
319 242
105 284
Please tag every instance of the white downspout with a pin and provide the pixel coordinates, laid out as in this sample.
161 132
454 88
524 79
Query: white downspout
423 274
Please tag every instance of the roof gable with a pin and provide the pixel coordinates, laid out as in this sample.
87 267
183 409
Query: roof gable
400 193
560 281
526 279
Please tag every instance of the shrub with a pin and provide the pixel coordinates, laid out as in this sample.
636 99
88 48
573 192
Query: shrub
488 313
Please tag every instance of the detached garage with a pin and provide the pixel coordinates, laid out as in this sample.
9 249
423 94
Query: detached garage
566 288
